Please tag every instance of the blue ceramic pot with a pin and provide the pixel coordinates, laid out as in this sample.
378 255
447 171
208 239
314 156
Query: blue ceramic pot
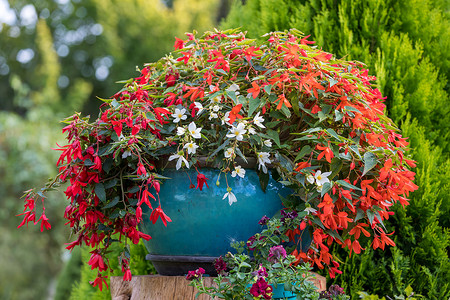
280 293
203 224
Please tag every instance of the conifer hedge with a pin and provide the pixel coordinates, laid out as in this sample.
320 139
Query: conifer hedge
406 44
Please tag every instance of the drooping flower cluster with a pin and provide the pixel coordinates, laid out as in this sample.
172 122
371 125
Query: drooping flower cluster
314 121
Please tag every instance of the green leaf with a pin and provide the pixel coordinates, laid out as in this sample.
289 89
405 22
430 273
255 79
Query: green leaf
134 189
338 115
232 95
115 104
222 72
110 183
221 147
370 161
100 192
336 166
263 180
355 149
326 187
253 104
334 234
268 88
370 215
359 215
274 136
306 149
333 134
112 203
238 152
348 185
351 108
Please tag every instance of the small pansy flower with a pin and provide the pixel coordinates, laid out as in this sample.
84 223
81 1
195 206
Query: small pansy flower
179 115
239 171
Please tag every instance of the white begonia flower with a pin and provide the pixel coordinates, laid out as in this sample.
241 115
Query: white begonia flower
238 170
268 143
194 131
233 88
237 132
319 188
179 115
258 121
310 210
263 158
321 178
226 118
251 130
216 100
126 153
181 159
212 115
231 197
216 108
310 178
191 148
198 106
229 153
181 131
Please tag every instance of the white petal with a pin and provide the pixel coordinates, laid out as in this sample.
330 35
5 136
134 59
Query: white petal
231 198
178 166
173 156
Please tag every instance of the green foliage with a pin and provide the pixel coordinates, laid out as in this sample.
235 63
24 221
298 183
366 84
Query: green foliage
406 43
70 273
83 290
33 100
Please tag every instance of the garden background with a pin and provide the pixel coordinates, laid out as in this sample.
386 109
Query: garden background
57 56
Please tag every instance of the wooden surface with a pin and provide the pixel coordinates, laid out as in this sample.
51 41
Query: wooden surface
155 287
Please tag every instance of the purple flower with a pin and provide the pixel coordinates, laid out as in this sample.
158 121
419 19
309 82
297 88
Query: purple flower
195 274
276 253
264 220
261 272
261 288
335 290
288 215
221 266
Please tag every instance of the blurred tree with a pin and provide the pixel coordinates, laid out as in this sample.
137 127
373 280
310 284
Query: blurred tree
56 57
33 259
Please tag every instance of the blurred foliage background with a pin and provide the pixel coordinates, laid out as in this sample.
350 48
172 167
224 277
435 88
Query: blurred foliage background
57 56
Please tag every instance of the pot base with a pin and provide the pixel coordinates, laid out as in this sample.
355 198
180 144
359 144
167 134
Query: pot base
178 265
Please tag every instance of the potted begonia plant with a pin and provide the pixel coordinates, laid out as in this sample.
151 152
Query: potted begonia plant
310 127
